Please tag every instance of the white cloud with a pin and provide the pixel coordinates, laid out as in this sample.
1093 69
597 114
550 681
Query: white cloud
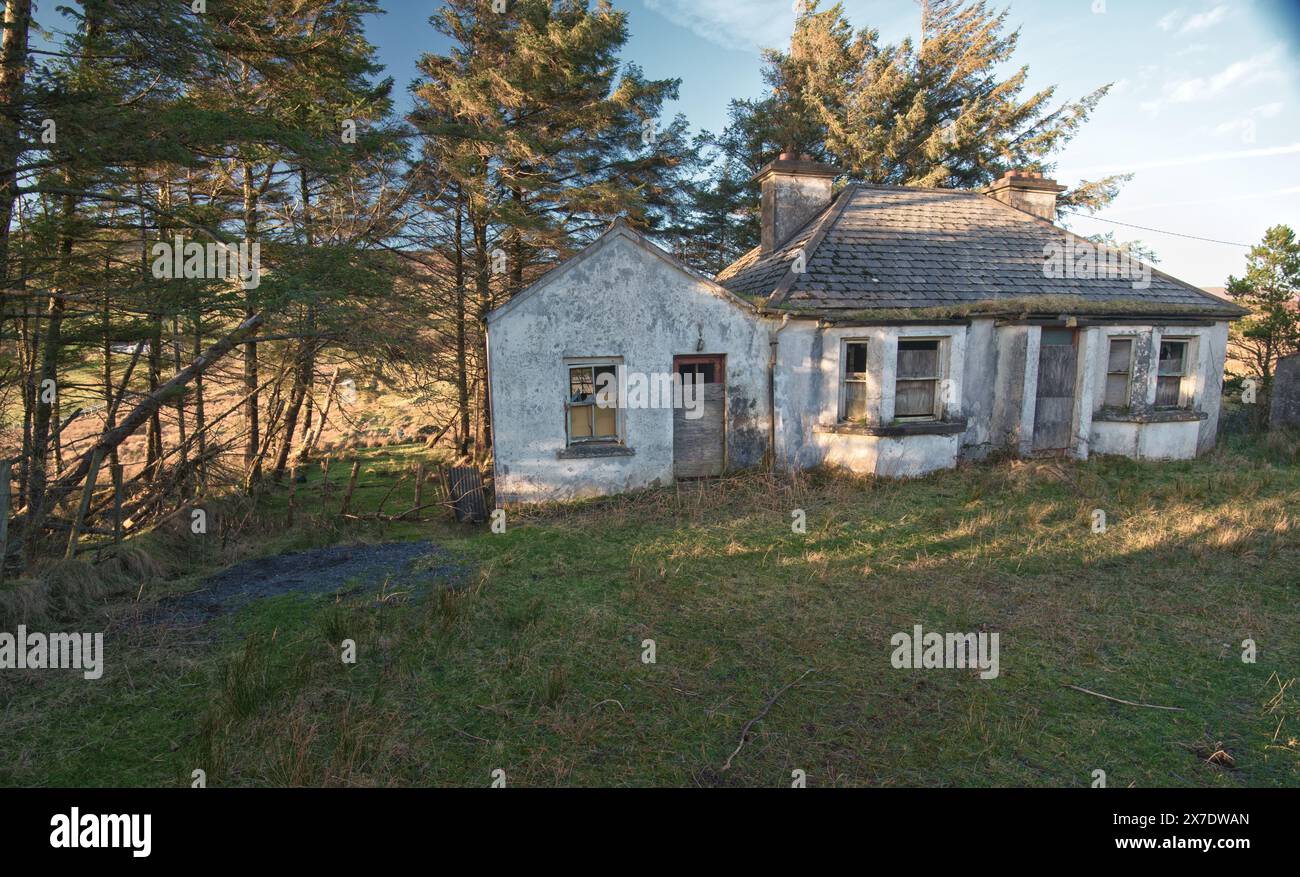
1203 20
1247 128
1226 199
746 25
1204 158
1170 20
1236 125
1251 71
1185 24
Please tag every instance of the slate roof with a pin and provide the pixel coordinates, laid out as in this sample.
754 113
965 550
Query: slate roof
941 251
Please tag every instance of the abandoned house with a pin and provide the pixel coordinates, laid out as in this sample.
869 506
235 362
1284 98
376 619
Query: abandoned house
890 331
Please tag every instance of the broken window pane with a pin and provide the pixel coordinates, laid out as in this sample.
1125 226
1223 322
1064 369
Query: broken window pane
581 385
855 358
589 385
1173 355
699 372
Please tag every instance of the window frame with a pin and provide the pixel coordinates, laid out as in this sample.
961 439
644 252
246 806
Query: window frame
592 363
937 408
1128 384
1183 384
845 343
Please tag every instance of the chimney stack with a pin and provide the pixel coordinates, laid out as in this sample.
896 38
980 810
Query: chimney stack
794 190
1027 191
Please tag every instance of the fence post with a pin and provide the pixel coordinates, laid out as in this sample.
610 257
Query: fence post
293 487
352 484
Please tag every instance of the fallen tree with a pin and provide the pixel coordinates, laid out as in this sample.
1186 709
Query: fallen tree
30 519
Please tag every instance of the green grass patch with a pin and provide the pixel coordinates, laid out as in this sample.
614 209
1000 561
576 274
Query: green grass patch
534 665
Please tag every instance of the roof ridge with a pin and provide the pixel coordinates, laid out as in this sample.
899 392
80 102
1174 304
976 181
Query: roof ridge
833 212
943 189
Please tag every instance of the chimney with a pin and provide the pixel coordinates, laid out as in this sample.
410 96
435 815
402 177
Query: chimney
1027 191
794 190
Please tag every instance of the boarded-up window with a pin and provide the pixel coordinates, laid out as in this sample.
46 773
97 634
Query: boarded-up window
855 381
588 420
1119 372
1171 373
916 387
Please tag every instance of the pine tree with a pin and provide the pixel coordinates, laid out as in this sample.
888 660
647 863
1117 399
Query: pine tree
1270 289
931 112
530 121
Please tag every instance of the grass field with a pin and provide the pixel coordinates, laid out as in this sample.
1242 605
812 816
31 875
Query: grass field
533 663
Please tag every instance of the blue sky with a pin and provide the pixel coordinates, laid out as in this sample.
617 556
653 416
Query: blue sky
1205 108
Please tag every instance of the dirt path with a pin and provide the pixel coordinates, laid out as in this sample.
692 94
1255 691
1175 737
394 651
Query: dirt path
352 568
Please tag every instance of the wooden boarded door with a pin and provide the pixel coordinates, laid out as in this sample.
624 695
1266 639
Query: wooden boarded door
1057 370
699 443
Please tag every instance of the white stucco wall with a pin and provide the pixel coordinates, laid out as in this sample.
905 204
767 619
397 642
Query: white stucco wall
625 300
620 298
1156 439
808 399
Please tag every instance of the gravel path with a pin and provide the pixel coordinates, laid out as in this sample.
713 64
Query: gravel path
407 565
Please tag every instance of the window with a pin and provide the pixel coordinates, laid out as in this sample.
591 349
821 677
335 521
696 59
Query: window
697 372
1170 374
588 421
854 403
1119 372
917 384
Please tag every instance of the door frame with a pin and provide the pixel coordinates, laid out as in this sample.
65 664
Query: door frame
719 361
1076 338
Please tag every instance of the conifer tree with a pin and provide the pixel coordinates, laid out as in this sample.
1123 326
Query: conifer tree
1270 288
927 112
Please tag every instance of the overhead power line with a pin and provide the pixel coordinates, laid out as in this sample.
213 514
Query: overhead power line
1176 234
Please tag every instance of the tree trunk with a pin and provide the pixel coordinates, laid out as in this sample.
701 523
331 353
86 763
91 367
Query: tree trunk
46 389
305 368
142 412
200 425
13 74
253 443
462 366
483 285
